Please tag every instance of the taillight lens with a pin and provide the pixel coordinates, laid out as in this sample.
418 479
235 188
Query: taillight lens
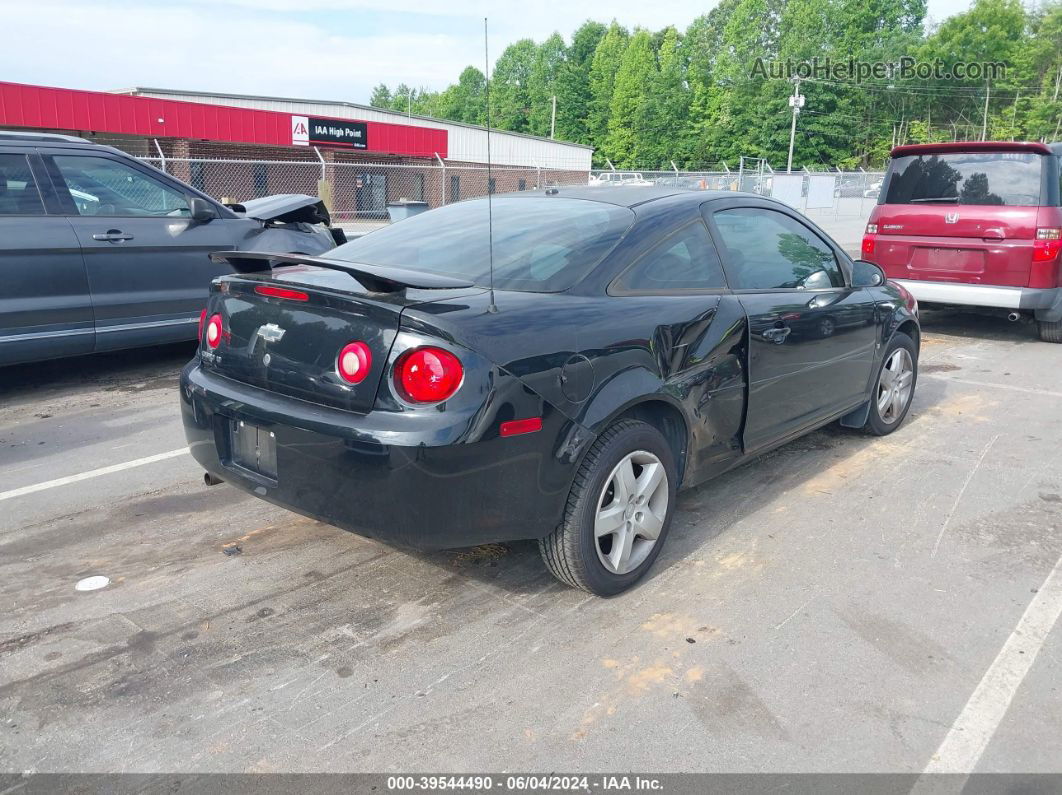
354 362
868 245
872 229
428 375
202 322
213 331
1047 244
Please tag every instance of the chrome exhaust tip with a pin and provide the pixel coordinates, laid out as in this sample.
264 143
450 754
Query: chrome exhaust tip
211 480
1014 316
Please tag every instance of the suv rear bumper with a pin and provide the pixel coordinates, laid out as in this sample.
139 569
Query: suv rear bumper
1022 298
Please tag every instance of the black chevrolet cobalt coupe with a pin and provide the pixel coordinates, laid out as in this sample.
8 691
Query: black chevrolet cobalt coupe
636 340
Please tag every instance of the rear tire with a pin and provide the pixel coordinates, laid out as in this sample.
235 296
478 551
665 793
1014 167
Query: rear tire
580 552
894 386
1050 330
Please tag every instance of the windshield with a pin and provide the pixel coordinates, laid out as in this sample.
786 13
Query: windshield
1000 178
542 244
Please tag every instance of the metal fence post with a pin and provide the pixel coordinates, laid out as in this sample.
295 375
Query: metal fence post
442 165
162 155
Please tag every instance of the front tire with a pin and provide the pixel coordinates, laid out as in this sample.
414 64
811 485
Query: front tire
894 387
1050 331
618 512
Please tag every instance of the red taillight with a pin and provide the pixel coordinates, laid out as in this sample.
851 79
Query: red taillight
354 362
213 331
202 322
428 375
282 292
1047 245
516 427
868 245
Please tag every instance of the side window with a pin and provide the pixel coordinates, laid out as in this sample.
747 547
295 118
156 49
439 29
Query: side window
687 260
100 186
18 190
770 250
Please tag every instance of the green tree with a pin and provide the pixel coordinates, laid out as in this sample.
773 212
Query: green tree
542 83
665 134
603 68
509 97
465 100
573 84
626 142
381 97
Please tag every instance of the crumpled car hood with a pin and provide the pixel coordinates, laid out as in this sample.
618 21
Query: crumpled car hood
286 208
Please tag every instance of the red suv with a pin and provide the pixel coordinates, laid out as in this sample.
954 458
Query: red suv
977 224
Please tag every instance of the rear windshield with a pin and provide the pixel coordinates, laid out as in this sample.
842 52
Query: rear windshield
542 244
1001 178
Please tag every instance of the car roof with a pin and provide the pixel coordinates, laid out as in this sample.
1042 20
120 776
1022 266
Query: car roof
625 195
36 137
972 146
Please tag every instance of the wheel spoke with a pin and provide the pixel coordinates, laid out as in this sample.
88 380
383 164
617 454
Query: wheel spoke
897 403
621 549
649 481
650 524
624 481
883 400
609 519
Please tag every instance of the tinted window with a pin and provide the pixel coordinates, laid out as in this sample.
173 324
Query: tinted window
18 191
685 260
767 249
541 244
1010 178
99 186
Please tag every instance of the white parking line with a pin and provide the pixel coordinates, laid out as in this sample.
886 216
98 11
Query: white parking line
968 737
92 473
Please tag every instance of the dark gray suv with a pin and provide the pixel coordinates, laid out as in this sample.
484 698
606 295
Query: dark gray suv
99 251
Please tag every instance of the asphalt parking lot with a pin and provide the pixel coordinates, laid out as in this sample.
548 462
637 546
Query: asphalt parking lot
843 604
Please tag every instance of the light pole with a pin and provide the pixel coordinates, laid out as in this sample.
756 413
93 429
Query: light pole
796 102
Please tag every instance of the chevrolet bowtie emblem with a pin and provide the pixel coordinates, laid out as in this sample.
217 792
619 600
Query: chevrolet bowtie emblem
271 332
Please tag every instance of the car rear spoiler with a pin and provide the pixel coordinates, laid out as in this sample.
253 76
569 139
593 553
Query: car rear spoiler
374 278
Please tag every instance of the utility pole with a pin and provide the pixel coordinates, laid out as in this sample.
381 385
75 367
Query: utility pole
796 102
984 118
553 118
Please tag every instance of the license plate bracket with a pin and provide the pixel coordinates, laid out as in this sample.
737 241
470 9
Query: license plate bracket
253 448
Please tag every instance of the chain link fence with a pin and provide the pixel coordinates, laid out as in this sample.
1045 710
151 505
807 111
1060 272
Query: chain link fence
358 192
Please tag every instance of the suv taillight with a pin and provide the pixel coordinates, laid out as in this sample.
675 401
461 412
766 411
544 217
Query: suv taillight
1047 244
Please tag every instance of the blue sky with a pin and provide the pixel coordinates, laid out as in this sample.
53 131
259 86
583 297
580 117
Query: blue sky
327 49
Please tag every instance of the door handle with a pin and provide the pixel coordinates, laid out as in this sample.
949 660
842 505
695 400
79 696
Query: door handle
776 335
112 236
993 234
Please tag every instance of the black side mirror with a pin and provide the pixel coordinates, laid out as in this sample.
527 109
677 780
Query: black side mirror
201 210
867 274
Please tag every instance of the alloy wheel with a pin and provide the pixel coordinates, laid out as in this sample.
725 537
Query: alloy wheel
895 385
631 512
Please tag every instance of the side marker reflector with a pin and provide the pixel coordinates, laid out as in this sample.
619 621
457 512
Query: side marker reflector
517 427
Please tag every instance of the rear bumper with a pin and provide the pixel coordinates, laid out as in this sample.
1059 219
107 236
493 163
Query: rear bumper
432 487
1024 298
